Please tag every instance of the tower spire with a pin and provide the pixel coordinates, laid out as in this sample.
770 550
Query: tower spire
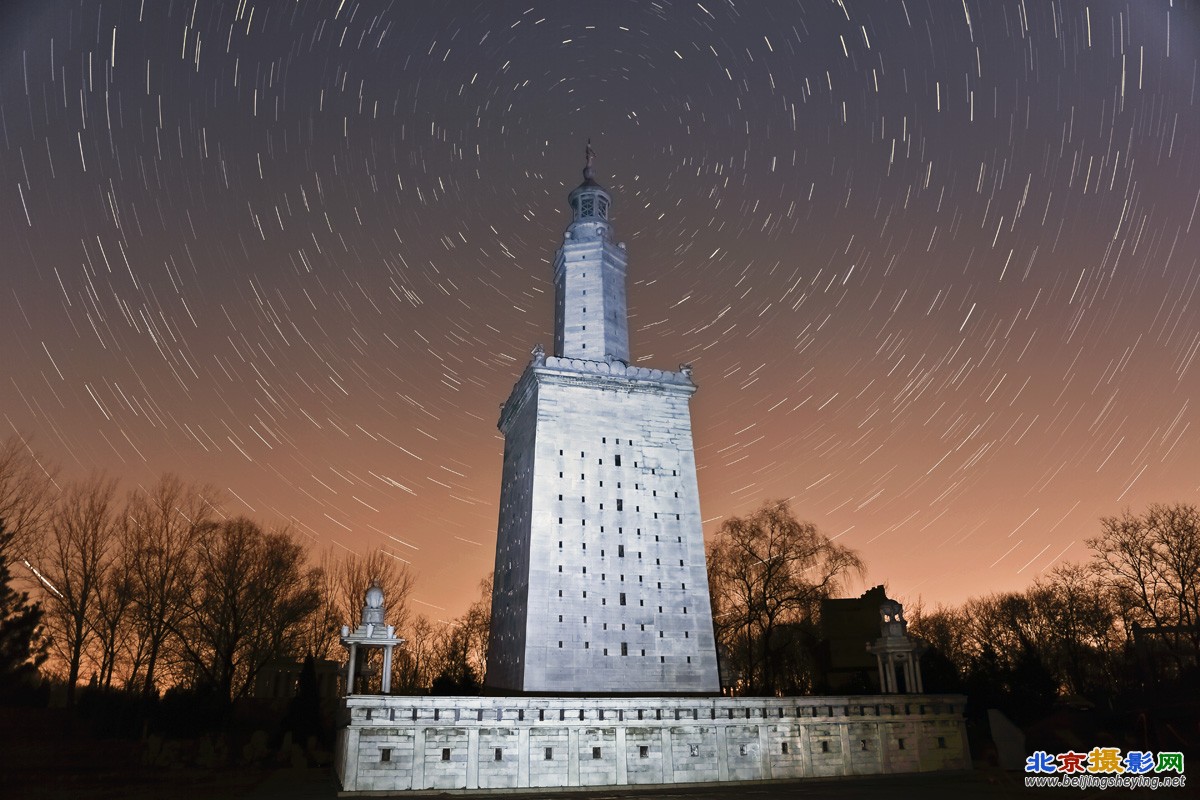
589 156
590 319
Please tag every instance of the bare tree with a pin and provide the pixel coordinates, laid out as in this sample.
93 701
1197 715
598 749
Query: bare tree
83 536
1082 622
1065 624
1072 631
944 628
320 631
453 655
27 492
453 672
1008 622
161 525
1152 562
766 571
354 574
415 662
22 644
112 621
253 593
476 625
945 662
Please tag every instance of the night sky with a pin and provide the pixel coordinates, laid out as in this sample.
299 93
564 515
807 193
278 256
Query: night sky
935 263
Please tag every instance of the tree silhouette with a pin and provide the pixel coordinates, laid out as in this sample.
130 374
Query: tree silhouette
75 559
1151 562
768 573
303 717
160 528
22 649
253 592
27 493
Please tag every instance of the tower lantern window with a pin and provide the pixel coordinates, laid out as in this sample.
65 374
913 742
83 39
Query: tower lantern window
602 207
587 206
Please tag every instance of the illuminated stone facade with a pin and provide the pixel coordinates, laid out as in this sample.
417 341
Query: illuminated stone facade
600 583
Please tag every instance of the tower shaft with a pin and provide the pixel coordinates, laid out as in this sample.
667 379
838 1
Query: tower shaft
590 312
601 585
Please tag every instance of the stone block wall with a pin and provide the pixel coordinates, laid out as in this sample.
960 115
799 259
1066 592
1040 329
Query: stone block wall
598 757
548 753
601 579
402 743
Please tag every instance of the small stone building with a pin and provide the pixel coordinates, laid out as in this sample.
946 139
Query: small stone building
850 632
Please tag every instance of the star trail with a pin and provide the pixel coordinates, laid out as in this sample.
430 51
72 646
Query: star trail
935 263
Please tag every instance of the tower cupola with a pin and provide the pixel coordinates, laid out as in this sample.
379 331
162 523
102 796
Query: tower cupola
589 201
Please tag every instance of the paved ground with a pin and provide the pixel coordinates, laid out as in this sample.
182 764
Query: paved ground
983 784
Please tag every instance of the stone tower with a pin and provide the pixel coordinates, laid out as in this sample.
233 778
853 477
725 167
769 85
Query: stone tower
600 584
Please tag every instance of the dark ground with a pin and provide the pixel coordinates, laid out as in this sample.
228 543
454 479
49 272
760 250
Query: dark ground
987 785
47 756
320 784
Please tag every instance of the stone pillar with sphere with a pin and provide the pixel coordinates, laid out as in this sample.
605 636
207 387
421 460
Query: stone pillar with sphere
372 632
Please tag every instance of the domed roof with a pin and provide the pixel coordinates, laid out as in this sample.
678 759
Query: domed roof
374 596
589 201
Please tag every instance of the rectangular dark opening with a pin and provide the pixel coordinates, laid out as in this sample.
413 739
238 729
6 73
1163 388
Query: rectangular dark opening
385 754
596 753
499 754
643 751
445 754
549 754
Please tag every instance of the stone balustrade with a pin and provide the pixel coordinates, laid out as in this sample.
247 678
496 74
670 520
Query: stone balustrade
402 743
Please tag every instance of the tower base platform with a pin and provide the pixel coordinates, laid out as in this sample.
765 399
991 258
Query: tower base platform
393 743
